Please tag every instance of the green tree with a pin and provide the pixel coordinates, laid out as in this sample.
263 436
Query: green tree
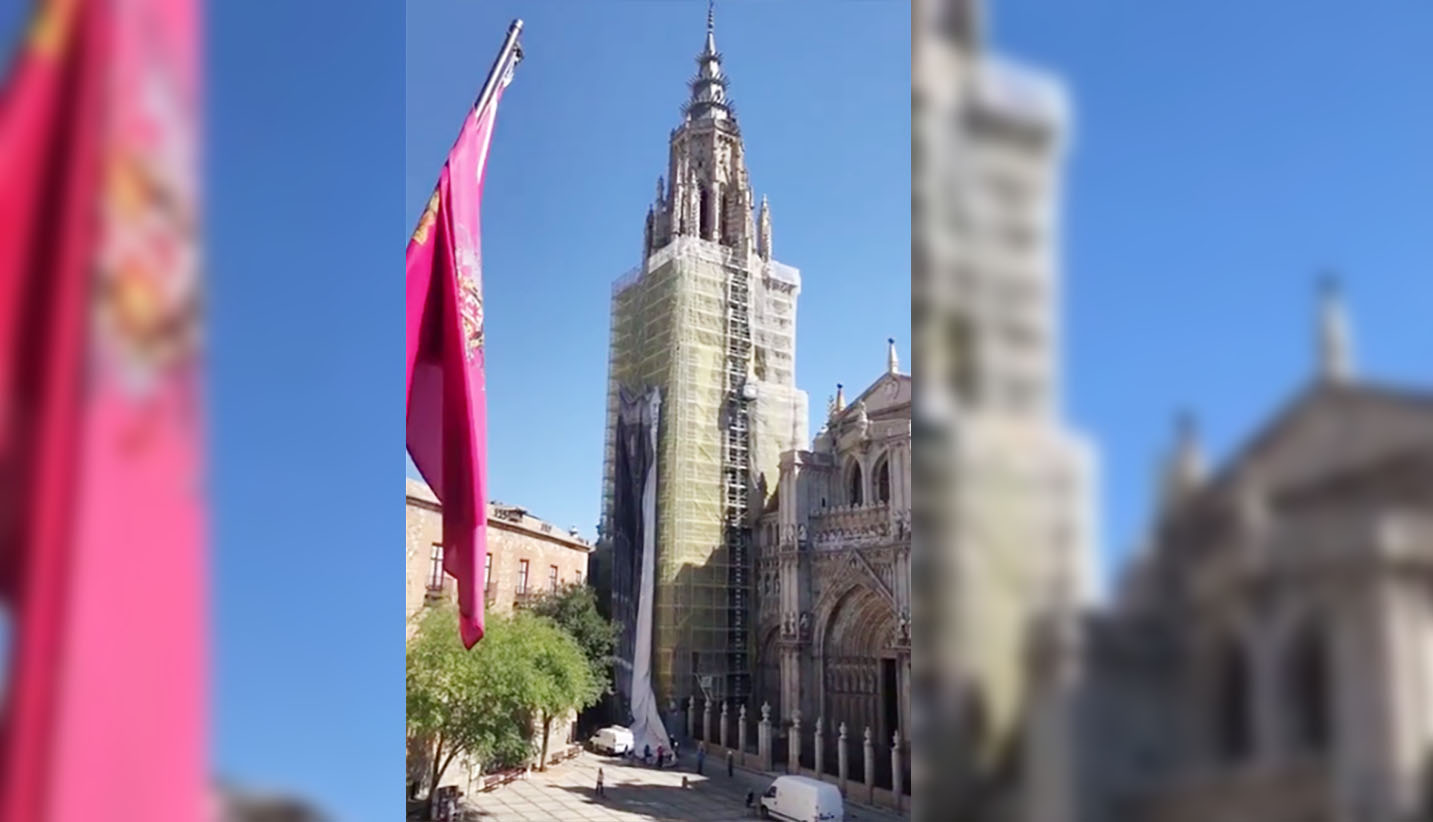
574 609
483 702
563 680
468 702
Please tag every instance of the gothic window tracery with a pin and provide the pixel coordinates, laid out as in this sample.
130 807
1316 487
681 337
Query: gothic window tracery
1233 735
882 479
853 483
1306 689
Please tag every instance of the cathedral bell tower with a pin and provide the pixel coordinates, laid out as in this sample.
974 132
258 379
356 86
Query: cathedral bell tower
706 193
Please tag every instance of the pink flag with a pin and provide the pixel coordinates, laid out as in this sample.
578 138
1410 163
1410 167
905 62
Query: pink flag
108 580
447 400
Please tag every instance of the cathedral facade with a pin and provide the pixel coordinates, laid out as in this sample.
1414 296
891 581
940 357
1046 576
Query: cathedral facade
833 551
1270 654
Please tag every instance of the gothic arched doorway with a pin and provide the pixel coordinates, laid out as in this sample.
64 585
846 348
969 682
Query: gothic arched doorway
858 686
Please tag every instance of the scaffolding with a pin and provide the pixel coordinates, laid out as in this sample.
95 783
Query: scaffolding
714 329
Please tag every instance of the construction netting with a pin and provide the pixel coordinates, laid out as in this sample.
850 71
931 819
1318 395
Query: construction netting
676 322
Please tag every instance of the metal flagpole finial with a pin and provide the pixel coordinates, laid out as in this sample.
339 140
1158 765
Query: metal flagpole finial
711 16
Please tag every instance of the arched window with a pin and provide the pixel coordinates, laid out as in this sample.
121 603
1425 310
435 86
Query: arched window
1232 735
882 478
1306 689
723 234
853 484
706 215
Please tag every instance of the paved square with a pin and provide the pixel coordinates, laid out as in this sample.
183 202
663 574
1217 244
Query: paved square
566 793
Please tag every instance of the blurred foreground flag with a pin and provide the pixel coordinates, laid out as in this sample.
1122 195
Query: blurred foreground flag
102 551
446 391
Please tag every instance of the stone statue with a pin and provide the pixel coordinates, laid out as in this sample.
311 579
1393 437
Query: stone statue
863 422
805 624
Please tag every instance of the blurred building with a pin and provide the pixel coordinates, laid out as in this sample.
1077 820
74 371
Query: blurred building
1004 497
1270 654
833 574
707 321
526 556
231 804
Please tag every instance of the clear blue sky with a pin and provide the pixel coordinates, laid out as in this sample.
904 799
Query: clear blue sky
306 228
1223 153
822 93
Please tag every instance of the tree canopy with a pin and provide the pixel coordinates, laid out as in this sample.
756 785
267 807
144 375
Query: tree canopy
574 608
483 702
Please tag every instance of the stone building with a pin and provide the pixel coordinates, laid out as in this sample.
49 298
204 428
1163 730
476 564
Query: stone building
833 574
705 325
526 557
1270 653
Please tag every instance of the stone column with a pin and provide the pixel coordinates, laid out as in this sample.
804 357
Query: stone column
896 767
707 721
842 763
870 760
763 737
723 724
741 729
793 745
692 717
820 750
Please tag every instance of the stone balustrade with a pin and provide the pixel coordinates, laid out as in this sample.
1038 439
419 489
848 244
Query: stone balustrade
846 525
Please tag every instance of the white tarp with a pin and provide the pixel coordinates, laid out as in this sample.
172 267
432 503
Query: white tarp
647 728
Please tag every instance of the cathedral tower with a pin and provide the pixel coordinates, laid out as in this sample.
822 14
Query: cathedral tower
708 320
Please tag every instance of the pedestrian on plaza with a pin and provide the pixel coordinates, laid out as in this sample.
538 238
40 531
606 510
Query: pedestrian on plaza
750 798
729 763
676 748
646 754
701 757
601 790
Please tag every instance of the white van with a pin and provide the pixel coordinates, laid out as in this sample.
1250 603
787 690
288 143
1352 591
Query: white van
803 799
614 739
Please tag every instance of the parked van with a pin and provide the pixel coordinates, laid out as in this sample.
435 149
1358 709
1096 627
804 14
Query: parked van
614 739
803 799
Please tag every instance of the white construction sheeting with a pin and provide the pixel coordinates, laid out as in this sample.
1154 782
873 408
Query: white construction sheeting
646 724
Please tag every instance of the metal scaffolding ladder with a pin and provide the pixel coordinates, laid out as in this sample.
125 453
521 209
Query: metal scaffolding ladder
736 474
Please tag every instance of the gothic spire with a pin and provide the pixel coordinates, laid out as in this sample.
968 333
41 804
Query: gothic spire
1335 340
893 363
708 99
763 230
711 29
1184 468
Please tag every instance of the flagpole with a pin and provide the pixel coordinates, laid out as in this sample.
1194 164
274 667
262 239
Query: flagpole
511 50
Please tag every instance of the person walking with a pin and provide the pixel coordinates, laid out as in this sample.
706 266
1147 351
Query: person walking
676 752
661 756
601 790
729 763
701 757
646 754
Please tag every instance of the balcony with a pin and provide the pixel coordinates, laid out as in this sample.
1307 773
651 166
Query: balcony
847 525
442 589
